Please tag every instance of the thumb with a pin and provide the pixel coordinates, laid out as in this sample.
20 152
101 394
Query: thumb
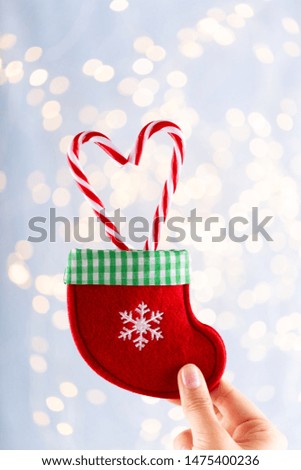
207 432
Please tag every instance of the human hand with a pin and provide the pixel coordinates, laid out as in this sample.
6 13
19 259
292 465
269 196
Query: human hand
224 419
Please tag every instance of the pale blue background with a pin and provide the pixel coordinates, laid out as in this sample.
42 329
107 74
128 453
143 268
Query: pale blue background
264 360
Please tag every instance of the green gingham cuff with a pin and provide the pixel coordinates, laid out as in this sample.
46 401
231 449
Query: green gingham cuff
128 268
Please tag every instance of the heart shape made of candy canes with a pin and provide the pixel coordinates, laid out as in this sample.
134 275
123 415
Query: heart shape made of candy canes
134 157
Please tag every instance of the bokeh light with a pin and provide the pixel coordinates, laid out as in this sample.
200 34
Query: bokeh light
7 41
38 363
227 74
59 85
65 429
96 397
35 96
143 66
119 5
104 73
33 53
3 180
54 404
68 389
40 418
38 77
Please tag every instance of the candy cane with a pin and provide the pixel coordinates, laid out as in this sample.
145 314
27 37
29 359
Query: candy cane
76 169
171 183
134 157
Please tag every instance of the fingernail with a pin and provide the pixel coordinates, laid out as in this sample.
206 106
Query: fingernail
191 377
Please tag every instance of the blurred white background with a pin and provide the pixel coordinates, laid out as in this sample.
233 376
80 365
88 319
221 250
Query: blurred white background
229 74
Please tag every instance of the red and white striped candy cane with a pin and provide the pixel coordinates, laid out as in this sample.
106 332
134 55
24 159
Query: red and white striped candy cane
77 171
134 157
171 183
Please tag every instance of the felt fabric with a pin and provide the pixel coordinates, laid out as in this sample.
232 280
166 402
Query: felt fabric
138 337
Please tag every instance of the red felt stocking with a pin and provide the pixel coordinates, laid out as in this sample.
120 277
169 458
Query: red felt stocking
132 322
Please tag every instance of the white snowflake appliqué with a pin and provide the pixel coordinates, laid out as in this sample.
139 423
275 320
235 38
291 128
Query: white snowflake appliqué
141 326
